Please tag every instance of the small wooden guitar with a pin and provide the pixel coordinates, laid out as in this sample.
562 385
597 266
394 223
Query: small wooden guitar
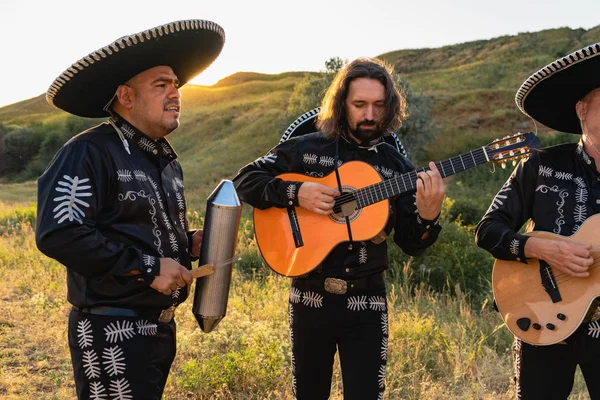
542 305
293 241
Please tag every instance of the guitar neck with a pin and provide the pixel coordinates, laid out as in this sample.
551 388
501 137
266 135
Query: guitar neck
407 181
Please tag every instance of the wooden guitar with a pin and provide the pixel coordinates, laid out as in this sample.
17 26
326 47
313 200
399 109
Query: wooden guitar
293 241
542 305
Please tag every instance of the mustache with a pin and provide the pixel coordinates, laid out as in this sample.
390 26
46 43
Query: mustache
366 123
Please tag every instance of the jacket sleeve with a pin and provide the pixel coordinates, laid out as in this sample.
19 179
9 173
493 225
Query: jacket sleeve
497 232
412 233
257 183
72 191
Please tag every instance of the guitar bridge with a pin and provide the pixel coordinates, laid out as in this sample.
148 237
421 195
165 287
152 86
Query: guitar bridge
548 281
295 227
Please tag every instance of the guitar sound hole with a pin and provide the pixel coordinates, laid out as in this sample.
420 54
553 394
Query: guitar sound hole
345 206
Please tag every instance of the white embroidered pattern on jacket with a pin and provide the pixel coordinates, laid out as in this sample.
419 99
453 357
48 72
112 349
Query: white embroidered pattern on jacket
381 376
140 175
326 161
166 149
291 191
176 293
312 299
119 331
357 303
562 193
85 333
517 366
315 174
146 328
173 241
132 196
377 303
119 390
500 197
386 172
309 158
182 220
514 247
166 220
91 364
69 204
156 193
594 329
114 361
295 295
565 176
384 323
128 131
124 175
97 391
384 348
179 182
147 145
148 260
180 200
581 195
545 171
362 255
580 213
269 158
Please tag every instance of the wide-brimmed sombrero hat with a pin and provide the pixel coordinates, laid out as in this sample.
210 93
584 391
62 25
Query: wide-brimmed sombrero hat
549 96
306 123
188 47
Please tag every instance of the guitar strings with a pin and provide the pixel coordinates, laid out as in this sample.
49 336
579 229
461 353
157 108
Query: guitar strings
561 277
348 197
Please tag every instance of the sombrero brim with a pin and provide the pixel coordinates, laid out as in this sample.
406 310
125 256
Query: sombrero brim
549 96
188 47
306 123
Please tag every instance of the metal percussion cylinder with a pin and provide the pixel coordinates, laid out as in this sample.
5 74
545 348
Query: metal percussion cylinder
221 225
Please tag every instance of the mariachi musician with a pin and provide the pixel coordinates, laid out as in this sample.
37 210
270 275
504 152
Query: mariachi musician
341 304
556 190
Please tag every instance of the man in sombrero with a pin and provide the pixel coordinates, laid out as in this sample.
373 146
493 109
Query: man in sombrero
556 190
111 207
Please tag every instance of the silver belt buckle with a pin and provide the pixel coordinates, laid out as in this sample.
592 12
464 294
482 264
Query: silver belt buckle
167 315
335 286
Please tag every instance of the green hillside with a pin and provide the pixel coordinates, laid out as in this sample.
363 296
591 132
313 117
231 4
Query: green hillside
231 123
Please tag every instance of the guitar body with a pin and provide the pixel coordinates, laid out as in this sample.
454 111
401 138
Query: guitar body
320 233
519 294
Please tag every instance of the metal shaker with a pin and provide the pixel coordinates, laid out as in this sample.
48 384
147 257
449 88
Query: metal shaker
221 225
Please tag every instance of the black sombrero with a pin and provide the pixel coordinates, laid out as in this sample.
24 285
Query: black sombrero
549 96
305 124
188 47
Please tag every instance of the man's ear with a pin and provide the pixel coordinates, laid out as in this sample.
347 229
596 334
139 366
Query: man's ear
581 110
125 96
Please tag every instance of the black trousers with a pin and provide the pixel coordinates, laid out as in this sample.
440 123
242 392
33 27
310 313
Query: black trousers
120 357
355 324
548 372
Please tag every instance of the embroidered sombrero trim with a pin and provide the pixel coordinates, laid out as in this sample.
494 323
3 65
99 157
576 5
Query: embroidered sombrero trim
290 130
558 65
128 41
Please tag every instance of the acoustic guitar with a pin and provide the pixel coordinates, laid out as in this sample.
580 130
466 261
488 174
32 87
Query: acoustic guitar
294 241
542 305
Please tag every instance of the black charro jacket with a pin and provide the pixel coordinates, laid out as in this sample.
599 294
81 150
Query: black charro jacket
314 155
556 190
106 208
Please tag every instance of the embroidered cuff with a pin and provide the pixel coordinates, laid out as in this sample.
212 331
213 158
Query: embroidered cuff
291 193
150 265
517 247
428 223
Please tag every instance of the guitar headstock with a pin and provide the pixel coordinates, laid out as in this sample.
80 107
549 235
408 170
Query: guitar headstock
512 148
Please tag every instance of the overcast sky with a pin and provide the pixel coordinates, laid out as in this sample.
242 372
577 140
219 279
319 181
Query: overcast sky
40 39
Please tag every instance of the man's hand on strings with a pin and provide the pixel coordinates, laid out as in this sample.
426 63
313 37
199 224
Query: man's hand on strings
569 257
317 198
430 192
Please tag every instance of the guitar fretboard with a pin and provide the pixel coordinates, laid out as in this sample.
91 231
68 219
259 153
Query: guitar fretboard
407 182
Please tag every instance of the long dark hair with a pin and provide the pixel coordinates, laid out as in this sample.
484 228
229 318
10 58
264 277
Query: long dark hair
332 118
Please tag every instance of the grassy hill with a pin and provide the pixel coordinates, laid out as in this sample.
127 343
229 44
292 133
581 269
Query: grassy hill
231 123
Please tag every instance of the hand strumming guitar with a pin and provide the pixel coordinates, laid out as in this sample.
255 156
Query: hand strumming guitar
569 257
317 198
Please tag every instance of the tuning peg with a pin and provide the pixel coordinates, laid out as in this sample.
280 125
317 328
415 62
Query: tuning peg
514 162
503 165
